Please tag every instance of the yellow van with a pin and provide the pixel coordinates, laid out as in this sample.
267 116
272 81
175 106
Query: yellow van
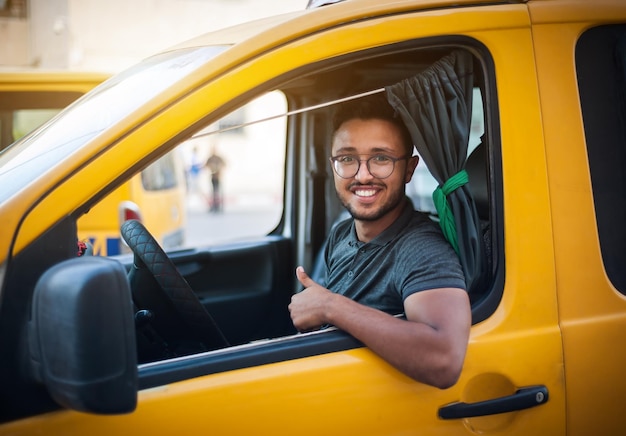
156 197
31 98
527 97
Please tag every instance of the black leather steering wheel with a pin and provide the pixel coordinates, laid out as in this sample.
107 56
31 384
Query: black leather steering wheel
148 255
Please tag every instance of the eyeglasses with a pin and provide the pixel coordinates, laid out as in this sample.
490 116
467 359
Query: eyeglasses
379 165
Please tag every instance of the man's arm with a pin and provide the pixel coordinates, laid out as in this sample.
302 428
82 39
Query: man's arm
428 346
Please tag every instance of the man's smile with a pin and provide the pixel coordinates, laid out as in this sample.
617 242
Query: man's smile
365 192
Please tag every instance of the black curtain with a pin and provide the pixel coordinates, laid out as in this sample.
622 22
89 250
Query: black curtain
436 106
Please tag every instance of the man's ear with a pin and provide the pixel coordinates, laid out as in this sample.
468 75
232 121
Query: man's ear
410 168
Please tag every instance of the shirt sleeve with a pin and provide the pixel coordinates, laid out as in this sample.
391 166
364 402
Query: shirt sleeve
427 261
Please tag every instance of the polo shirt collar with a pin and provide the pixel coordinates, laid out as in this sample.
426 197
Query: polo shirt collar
390 232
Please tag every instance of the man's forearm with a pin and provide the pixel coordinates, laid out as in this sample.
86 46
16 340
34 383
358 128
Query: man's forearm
430 353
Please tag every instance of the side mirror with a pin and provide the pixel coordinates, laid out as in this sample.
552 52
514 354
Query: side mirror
82 336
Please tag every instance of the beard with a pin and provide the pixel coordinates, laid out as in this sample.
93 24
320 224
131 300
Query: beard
394 200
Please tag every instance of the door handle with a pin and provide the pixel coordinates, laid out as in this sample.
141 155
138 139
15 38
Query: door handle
523 398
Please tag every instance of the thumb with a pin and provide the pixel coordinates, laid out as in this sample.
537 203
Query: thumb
304 278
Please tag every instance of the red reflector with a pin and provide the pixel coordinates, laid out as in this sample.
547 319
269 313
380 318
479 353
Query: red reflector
131 215
127 210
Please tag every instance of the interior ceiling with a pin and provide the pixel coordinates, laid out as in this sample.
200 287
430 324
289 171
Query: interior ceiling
346 77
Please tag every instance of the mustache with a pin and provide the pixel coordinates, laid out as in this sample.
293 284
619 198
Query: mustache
358 185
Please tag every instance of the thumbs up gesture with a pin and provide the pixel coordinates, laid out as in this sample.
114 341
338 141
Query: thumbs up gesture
309 309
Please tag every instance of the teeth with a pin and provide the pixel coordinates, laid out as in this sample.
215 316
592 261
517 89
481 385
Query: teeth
365 192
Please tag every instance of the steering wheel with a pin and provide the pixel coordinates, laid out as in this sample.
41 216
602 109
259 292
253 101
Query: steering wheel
159 288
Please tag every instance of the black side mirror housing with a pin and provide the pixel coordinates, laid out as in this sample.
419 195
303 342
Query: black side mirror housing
82 337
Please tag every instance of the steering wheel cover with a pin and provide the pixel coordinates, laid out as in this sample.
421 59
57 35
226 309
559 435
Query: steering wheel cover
146 249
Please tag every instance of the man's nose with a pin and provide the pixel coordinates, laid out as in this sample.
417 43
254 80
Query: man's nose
363 173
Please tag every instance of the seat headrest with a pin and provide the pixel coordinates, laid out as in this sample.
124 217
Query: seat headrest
476 167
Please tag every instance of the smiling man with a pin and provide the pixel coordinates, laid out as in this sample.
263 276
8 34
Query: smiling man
388 259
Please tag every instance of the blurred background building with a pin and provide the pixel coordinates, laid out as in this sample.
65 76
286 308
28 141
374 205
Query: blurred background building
110 35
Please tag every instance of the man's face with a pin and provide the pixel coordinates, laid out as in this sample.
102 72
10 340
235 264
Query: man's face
366 197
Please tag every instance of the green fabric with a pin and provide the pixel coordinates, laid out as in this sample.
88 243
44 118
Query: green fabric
446 218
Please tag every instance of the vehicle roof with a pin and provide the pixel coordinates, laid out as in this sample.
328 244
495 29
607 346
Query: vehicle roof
23 76
318 18
312 4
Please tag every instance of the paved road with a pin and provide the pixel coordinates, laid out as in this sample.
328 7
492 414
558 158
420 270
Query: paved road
205 228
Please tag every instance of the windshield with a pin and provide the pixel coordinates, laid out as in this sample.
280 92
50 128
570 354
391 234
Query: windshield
107 104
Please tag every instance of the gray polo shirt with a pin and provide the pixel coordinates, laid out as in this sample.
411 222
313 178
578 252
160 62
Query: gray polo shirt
409 256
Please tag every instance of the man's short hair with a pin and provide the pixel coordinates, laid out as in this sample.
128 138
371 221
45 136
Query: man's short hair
373 107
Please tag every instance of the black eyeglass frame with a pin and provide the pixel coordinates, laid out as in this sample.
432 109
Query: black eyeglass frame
334 161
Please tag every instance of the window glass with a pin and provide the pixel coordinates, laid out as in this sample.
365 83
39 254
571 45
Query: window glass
27 120
161 175
223 184
13 8
235 173
601 71
21 112
420 189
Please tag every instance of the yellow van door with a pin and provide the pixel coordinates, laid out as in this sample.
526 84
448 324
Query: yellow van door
581 70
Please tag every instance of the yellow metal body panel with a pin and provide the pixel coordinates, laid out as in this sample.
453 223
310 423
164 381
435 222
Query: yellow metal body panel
592 313
41 80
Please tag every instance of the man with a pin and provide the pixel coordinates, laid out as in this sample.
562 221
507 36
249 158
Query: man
389 259
215 164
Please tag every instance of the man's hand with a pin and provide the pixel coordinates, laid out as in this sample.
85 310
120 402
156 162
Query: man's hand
308 308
